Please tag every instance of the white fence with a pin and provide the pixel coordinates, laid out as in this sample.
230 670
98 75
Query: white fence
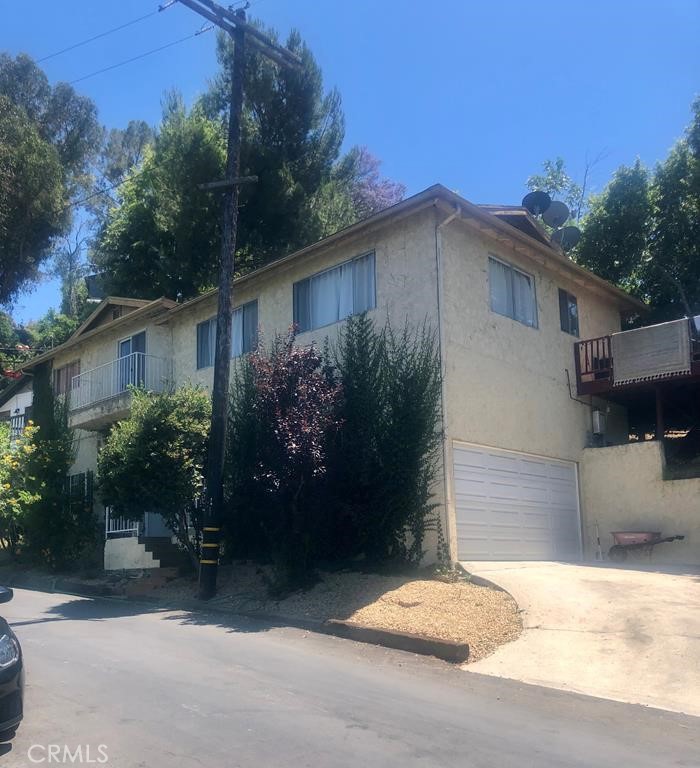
111 379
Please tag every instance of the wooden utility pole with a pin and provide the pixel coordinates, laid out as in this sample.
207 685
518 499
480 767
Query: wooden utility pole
234 24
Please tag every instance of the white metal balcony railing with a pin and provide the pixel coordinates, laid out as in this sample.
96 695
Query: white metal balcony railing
119 527
111 379
152 525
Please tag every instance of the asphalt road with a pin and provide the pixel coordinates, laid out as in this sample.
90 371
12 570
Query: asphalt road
162 688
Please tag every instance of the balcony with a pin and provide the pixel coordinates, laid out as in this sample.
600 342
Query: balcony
640 358
102 395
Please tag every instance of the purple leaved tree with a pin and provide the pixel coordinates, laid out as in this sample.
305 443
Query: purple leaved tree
371 192
296 406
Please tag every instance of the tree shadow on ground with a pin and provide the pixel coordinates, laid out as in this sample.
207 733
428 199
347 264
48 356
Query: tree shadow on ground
102 609
243 607
89 609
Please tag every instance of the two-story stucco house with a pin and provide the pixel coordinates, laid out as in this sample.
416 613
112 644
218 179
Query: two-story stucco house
507 307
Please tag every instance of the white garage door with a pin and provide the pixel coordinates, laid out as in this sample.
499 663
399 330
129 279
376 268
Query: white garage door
515 506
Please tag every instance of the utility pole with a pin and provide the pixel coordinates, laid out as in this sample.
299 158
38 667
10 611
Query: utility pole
234 24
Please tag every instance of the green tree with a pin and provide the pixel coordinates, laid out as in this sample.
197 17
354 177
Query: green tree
557 183
292 132
643 231
69 265
163 235
63 118
32 199
8 334
615 231
52 329
153 461
48 137
122 153
163 238
670 274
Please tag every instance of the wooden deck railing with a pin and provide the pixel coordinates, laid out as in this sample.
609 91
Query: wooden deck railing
595 366
593 359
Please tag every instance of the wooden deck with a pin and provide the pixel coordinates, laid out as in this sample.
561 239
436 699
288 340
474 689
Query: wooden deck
595 368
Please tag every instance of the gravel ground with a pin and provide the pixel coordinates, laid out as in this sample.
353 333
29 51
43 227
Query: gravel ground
485 618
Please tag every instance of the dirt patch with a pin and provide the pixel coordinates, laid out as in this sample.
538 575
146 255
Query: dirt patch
461 612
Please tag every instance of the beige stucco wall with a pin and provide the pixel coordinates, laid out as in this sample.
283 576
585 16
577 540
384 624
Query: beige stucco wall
506 383
622 488
85 446
405 288
103 348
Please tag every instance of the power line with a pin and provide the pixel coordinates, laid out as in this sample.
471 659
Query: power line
101 191
141 55
107 32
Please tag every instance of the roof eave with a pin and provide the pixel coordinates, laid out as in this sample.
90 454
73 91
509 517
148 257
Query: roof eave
76 339
490 221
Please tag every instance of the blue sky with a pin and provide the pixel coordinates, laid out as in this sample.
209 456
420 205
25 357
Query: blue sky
472 95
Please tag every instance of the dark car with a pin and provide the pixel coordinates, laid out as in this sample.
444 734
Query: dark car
11 676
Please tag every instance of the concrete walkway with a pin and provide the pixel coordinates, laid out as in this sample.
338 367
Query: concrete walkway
623 634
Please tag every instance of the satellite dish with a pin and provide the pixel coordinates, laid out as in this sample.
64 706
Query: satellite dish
556 215
567 237
537 202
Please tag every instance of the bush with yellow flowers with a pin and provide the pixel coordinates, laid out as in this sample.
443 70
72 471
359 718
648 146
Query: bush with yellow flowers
15 496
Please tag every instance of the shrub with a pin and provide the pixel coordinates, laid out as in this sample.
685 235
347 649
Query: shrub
245 498
55 529
335 459
14 494
386 459
154 461
284 410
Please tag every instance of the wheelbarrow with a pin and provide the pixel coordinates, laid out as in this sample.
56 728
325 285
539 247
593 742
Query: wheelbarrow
630 540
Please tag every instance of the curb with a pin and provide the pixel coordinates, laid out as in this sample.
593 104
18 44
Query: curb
455 653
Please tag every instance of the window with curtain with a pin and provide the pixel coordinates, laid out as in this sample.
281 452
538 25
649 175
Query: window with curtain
244 334
63 377
568 312
206 343
512 292
334 294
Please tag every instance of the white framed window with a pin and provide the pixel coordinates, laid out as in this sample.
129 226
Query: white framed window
334 294
244 334
512 292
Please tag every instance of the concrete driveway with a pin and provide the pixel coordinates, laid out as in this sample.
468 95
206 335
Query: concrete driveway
623 634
